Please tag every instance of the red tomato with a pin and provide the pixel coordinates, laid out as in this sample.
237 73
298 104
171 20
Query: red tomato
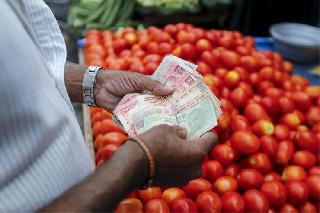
165 48
106 152
149 194
161 36
254 79
313 115
250 179
238 97
203 45
232 202
248 62
184 205
169 195
271 105
223 153
226 41
288 208
304 159
171 29
314 170
186 37
263 127
308 207
275 193
152 47
212 81
150 68
155 58
306 140
137 66
203 68
286 105
291 120
285 152
119 45
131 38
239 122
244 142
269 146
281 132
209 58
274 92
188 51
214 170
313 91
260 162
226 105
266 73
231 78
220 72
255 112
229 58
293 173
115 138
209 202
297 192
232 170
255 201
271 176
313 183
224 184
156 206
301 100
196 187
224 121
263 86
129 205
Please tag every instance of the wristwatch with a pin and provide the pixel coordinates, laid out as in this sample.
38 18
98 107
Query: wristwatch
88 84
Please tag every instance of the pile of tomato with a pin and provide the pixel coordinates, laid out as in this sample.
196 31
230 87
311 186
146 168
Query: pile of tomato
267 157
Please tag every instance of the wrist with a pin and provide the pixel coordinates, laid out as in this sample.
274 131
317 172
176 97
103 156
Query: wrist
139 164
73 77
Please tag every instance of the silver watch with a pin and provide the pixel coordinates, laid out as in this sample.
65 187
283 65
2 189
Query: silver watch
88 83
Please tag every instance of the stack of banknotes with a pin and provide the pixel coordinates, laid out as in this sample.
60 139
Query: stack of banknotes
192 105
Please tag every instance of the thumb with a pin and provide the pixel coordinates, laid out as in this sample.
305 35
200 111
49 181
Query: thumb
206 141
147 83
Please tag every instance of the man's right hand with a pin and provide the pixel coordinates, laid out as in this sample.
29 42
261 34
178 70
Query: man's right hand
177 160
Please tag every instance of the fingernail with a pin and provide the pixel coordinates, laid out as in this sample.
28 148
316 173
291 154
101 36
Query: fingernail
167 87
182 132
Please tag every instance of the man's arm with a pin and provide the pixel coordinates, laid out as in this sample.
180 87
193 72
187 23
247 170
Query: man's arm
176 160
73 76
103 190
110 86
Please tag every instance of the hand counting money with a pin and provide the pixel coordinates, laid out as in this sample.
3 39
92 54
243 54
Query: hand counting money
192 105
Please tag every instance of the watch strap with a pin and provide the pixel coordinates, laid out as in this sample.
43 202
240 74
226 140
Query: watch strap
88 84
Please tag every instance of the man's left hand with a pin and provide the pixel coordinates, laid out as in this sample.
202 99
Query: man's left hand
111 86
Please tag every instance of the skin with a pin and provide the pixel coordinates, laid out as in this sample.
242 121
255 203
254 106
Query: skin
177 160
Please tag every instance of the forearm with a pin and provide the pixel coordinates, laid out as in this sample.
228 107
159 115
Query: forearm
124 172
73 76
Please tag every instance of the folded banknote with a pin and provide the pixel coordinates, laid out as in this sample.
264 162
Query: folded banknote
192 105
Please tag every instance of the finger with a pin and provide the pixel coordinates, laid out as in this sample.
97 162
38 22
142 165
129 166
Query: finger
180 132
206 141
147 83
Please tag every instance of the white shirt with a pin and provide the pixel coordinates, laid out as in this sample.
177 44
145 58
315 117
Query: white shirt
42 151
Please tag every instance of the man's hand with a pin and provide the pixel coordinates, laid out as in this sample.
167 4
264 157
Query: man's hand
177 160
111 86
